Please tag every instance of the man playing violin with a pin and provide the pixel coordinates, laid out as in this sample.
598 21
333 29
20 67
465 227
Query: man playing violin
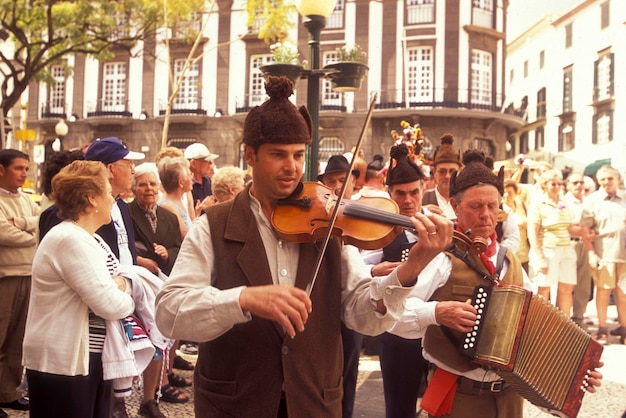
270 345
402 365
439 307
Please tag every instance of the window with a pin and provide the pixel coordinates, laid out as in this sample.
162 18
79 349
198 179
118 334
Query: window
568 35
566 137
540 140
481 77
541 103
56 103
523 143
330 99
329 146
335 20
114 87
567 90
603 77
605 15
257 82
542 59
482 13
602 128
420 74
483 144
420 11
187 97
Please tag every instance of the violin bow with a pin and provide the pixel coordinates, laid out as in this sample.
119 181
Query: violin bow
333 216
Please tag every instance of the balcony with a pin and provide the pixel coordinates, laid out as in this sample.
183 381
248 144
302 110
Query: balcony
116 108
420 13
247 102
53 110
439 99
187 108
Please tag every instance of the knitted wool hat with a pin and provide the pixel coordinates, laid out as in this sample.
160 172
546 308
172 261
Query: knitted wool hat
446 153
475 173
277 120
404 170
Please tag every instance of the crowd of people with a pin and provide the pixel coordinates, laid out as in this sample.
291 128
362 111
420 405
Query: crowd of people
180 252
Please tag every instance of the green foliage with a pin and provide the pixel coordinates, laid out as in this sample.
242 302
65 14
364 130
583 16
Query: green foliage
285 53
275 14
44 32
352 53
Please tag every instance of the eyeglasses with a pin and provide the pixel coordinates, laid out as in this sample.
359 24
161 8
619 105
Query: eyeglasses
131 165
444 171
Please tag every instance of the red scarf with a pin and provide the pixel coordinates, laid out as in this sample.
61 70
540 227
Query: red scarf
489 252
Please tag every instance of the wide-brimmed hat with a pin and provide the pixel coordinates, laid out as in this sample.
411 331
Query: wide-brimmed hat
109 150
337 164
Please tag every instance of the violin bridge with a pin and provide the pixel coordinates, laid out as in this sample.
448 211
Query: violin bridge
329 204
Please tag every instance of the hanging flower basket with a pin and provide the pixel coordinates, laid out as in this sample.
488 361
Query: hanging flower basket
291 71
347 76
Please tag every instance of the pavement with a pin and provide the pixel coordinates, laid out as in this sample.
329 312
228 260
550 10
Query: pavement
608 402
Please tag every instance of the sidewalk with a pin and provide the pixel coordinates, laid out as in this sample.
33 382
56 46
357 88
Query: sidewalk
608 402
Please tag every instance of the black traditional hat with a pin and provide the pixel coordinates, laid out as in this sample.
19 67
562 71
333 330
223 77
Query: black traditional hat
404 170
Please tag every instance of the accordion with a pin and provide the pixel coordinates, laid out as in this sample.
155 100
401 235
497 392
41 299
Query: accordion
533 346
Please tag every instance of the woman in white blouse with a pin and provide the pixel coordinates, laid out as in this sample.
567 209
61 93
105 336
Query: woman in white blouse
74 290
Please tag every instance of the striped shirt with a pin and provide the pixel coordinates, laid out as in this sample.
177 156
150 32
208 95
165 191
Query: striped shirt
97 329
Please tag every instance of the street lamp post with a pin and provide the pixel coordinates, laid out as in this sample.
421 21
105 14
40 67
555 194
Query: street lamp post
315 12
60 129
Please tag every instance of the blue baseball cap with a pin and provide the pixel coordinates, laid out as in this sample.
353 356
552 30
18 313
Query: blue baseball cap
109 150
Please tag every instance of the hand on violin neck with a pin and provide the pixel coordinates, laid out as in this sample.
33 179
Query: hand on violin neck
435 235
284 304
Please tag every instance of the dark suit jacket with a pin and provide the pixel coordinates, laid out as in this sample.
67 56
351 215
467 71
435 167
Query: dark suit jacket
49 218
429 198
167 235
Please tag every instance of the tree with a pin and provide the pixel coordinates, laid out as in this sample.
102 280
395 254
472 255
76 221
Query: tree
276 13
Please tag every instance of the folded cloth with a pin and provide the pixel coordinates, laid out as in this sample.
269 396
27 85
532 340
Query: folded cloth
439 395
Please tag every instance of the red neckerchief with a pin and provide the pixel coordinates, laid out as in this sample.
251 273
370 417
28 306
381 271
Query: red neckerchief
488 253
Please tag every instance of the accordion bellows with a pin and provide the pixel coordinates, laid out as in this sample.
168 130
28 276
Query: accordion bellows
533 346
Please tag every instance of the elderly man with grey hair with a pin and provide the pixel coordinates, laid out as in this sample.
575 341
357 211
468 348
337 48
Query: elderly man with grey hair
604 213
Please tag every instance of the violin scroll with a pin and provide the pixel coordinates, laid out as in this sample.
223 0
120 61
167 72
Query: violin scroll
465 244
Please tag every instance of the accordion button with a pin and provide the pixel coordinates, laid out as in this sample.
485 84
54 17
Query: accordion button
474 333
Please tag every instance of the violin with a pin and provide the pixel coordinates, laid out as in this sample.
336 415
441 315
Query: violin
463 244
368 223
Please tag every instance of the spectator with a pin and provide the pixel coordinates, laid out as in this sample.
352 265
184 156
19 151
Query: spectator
245 284
157 234
227 183
18 241
72 297
604 220
402 364
202 165
53 165
552 258
574 199
176 180
446 161
520 212
336 173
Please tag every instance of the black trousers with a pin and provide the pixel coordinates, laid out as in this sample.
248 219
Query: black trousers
404 371
352 343
53 395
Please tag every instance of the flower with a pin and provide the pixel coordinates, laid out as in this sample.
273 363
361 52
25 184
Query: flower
352 53
285 53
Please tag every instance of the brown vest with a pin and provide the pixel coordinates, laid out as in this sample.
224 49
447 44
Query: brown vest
244 372
443 344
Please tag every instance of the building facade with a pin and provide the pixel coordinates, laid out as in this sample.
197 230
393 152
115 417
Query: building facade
564 79
439 63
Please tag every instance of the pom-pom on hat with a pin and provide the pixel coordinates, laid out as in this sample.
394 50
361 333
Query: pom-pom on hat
446 153
475 173
376 163
277 120
404 170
